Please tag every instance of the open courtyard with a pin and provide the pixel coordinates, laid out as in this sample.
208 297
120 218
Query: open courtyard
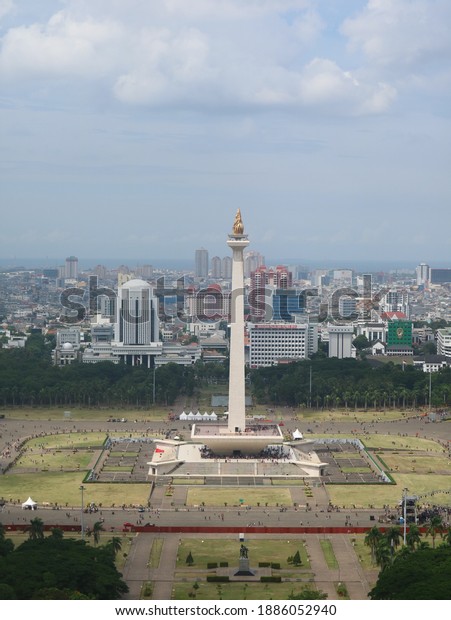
50 457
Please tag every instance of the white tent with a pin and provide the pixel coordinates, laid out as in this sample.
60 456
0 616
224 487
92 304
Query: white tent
183 416
297 434
29 504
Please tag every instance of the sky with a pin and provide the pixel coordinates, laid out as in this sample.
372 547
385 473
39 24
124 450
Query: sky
136 128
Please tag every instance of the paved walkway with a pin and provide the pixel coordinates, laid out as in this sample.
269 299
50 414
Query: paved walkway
136 570
357 581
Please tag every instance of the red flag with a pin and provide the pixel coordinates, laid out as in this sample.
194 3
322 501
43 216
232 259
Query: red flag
159 450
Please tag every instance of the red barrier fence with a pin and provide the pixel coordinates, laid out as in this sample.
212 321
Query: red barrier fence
158 529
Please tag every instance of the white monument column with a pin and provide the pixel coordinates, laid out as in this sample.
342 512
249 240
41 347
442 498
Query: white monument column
237 416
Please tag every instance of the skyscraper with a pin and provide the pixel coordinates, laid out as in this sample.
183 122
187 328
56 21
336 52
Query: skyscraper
201 263
71 270
216 270
137 338
226 269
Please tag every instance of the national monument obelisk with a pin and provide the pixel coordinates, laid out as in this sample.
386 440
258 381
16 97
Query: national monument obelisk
237 401
235 438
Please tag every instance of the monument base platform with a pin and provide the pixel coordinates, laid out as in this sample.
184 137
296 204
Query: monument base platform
244 570
251 441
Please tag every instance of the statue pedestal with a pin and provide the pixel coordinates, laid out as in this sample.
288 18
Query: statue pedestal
244 570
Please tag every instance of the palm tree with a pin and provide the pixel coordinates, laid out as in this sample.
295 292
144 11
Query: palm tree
413 536
383 554
393 536
435 526
372 539
57 533
116 545
448 537
96 529
36 529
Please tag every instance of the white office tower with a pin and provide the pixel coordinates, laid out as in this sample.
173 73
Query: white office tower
280 343
237 241
422 272
136 338
340 341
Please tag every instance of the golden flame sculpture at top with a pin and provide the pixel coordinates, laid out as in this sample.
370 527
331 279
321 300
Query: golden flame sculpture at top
238 226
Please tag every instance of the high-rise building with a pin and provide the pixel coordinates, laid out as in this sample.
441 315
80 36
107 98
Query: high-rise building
347 307
226 268
201 263
71 269
439 276
252 261
287 305
422 272
216 267
137 338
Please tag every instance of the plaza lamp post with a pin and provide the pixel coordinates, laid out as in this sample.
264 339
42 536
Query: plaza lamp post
82 524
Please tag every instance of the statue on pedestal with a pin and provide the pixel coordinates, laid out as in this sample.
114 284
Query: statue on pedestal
244 552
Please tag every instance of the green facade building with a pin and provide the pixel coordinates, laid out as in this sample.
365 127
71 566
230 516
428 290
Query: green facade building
399 333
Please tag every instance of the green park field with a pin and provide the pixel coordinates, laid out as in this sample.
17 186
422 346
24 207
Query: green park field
214 496
228 550
51 468
87 415
62 488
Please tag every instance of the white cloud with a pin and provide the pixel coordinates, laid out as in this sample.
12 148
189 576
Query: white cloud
63 46
221 54
401 32
6 7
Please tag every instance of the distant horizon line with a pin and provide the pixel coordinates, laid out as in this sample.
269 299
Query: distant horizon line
356 264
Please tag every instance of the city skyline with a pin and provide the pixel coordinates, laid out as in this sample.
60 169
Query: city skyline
137 129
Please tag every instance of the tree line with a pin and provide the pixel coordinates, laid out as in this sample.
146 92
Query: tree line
416 570
349 383
57 568
28 378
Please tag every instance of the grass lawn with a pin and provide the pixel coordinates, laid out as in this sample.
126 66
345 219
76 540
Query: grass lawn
422 464
360 415
237 591
218 496
355 470
66 440
228 550
363 552
66 460
390 442
155 553
328 552
57 413
362 496
64 488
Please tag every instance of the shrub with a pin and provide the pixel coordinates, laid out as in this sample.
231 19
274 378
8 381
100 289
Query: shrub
189 559
212 565
264 579
217 578
264 564
275 565
223 564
